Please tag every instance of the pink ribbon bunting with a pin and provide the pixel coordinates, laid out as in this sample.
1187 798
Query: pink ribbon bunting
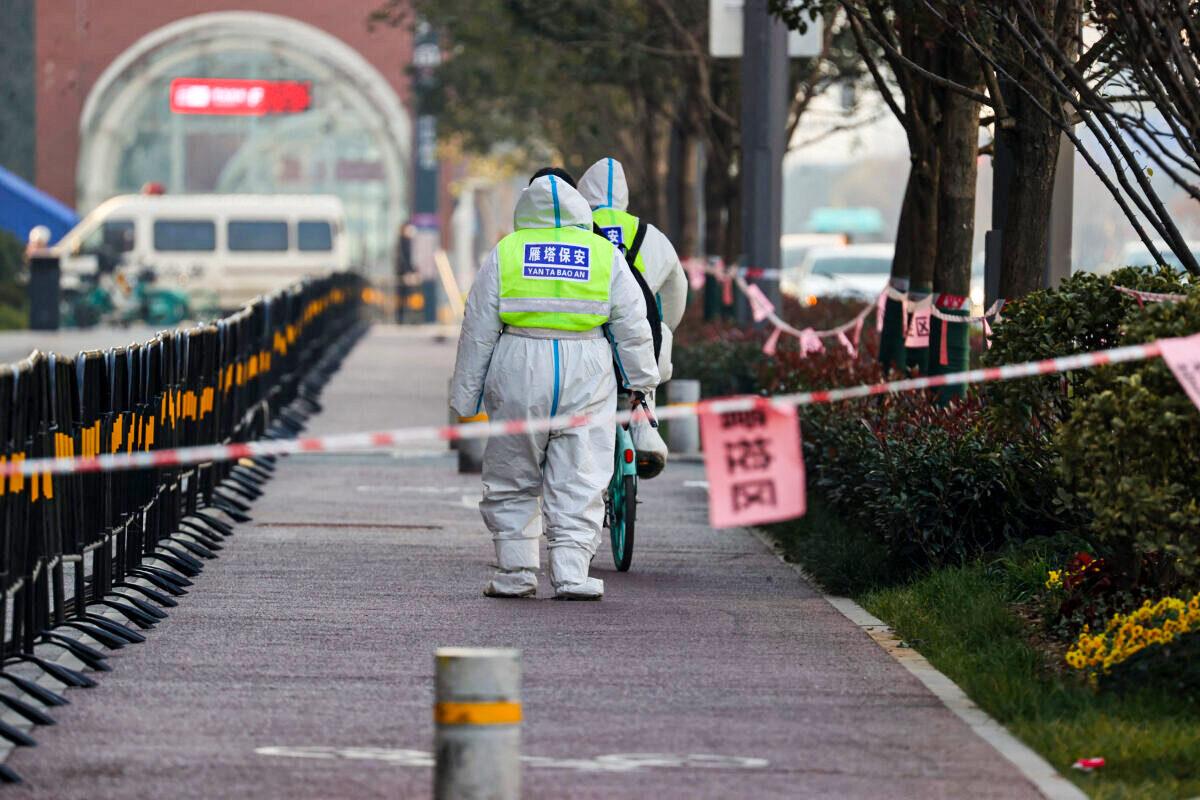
761 306
772 342
845 340
810 342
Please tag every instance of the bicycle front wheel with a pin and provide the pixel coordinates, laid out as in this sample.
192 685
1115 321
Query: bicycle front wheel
624 521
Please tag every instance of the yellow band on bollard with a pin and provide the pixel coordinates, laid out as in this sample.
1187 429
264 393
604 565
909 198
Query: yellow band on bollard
498 713
477 418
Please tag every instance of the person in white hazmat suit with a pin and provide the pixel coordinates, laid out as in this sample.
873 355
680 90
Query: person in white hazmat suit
607 192
547 310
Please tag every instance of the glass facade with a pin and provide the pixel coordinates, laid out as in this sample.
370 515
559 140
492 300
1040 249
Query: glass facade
338 146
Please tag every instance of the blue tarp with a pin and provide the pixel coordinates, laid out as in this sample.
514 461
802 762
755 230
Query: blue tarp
23 206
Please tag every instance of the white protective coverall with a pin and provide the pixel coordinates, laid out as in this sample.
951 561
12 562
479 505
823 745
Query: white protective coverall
604 186
516 373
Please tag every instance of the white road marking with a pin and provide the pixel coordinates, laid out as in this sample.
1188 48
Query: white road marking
616 762
402 489
696 485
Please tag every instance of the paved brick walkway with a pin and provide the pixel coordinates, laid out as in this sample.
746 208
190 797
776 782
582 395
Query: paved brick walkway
301 665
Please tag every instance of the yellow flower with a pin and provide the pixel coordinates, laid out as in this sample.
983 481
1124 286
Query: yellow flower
1054 579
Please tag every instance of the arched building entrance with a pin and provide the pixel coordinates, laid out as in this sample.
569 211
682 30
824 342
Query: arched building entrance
354 140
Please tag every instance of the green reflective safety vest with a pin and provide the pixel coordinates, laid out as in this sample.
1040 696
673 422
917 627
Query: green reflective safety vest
619 227
555 278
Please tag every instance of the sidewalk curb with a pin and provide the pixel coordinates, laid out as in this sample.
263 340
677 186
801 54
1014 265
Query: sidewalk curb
1040 772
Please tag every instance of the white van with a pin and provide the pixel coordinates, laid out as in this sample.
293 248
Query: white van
236 246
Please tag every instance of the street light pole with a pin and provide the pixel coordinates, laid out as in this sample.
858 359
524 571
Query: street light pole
764 129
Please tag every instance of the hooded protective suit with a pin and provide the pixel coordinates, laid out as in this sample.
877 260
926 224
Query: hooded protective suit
604 187
517 372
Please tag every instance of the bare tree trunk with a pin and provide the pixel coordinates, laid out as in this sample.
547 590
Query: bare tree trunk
1033 142
922 233
958 137
684 233
1025 241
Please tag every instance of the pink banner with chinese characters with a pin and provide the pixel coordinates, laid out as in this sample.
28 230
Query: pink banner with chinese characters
754 465
1183 357
918 328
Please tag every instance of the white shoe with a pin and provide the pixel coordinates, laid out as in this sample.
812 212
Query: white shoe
569 574
514 583
590 589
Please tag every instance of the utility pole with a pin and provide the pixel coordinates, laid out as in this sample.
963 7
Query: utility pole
427 239
764 129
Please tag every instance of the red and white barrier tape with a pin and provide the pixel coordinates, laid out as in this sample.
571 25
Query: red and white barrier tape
848 332
1152 297
384 440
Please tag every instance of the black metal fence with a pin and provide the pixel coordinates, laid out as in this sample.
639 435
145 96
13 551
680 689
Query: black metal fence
89 559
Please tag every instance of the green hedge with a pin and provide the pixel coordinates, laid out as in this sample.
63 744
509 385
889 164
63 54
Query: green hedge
931 484
1085 313
1128 451
1106 453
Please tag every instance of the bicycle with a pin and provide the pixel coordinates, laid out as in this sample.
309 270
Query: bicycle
620 502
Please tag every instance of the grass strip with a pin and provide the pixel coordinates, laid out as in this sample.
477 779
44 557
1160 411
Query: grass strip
964 620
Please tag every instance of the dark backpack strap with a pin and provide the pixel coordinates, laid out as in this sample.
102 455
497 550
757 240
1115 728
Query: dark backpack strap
635 247
653 316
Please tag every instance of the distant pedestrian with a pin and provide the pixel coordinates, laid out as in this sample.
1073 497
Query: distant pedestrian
535 344
650 252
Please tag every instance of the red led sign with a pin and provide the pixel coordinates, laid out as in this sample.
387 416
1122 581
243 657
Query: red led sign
234 96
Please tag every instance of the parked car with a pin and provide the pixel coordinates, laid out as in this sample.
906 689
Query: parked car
238 246
856 270
796 245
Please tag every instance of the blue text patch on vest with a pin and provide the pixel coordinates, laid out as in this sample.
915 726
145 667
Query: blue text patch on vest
557 262
614 234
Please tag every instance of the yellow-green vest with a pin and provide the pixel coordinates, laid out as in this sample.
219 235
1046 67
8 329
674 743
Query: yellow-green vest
555 278
619 227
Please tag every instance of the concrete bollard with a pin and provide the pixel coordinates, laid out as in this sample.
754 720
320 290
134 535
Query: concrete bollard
470 451
477 716
683 434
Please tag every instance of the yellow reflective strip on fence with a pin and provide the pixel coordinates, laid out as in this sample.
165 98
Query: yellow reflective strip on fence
481 417
118 433
34 488
238 376
17 483
3 483
251 367
497 713
229 377
148 439
48 485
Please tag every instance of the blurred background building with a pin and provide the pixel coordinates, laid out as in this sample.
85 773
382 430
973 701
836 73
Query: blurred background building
87 112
